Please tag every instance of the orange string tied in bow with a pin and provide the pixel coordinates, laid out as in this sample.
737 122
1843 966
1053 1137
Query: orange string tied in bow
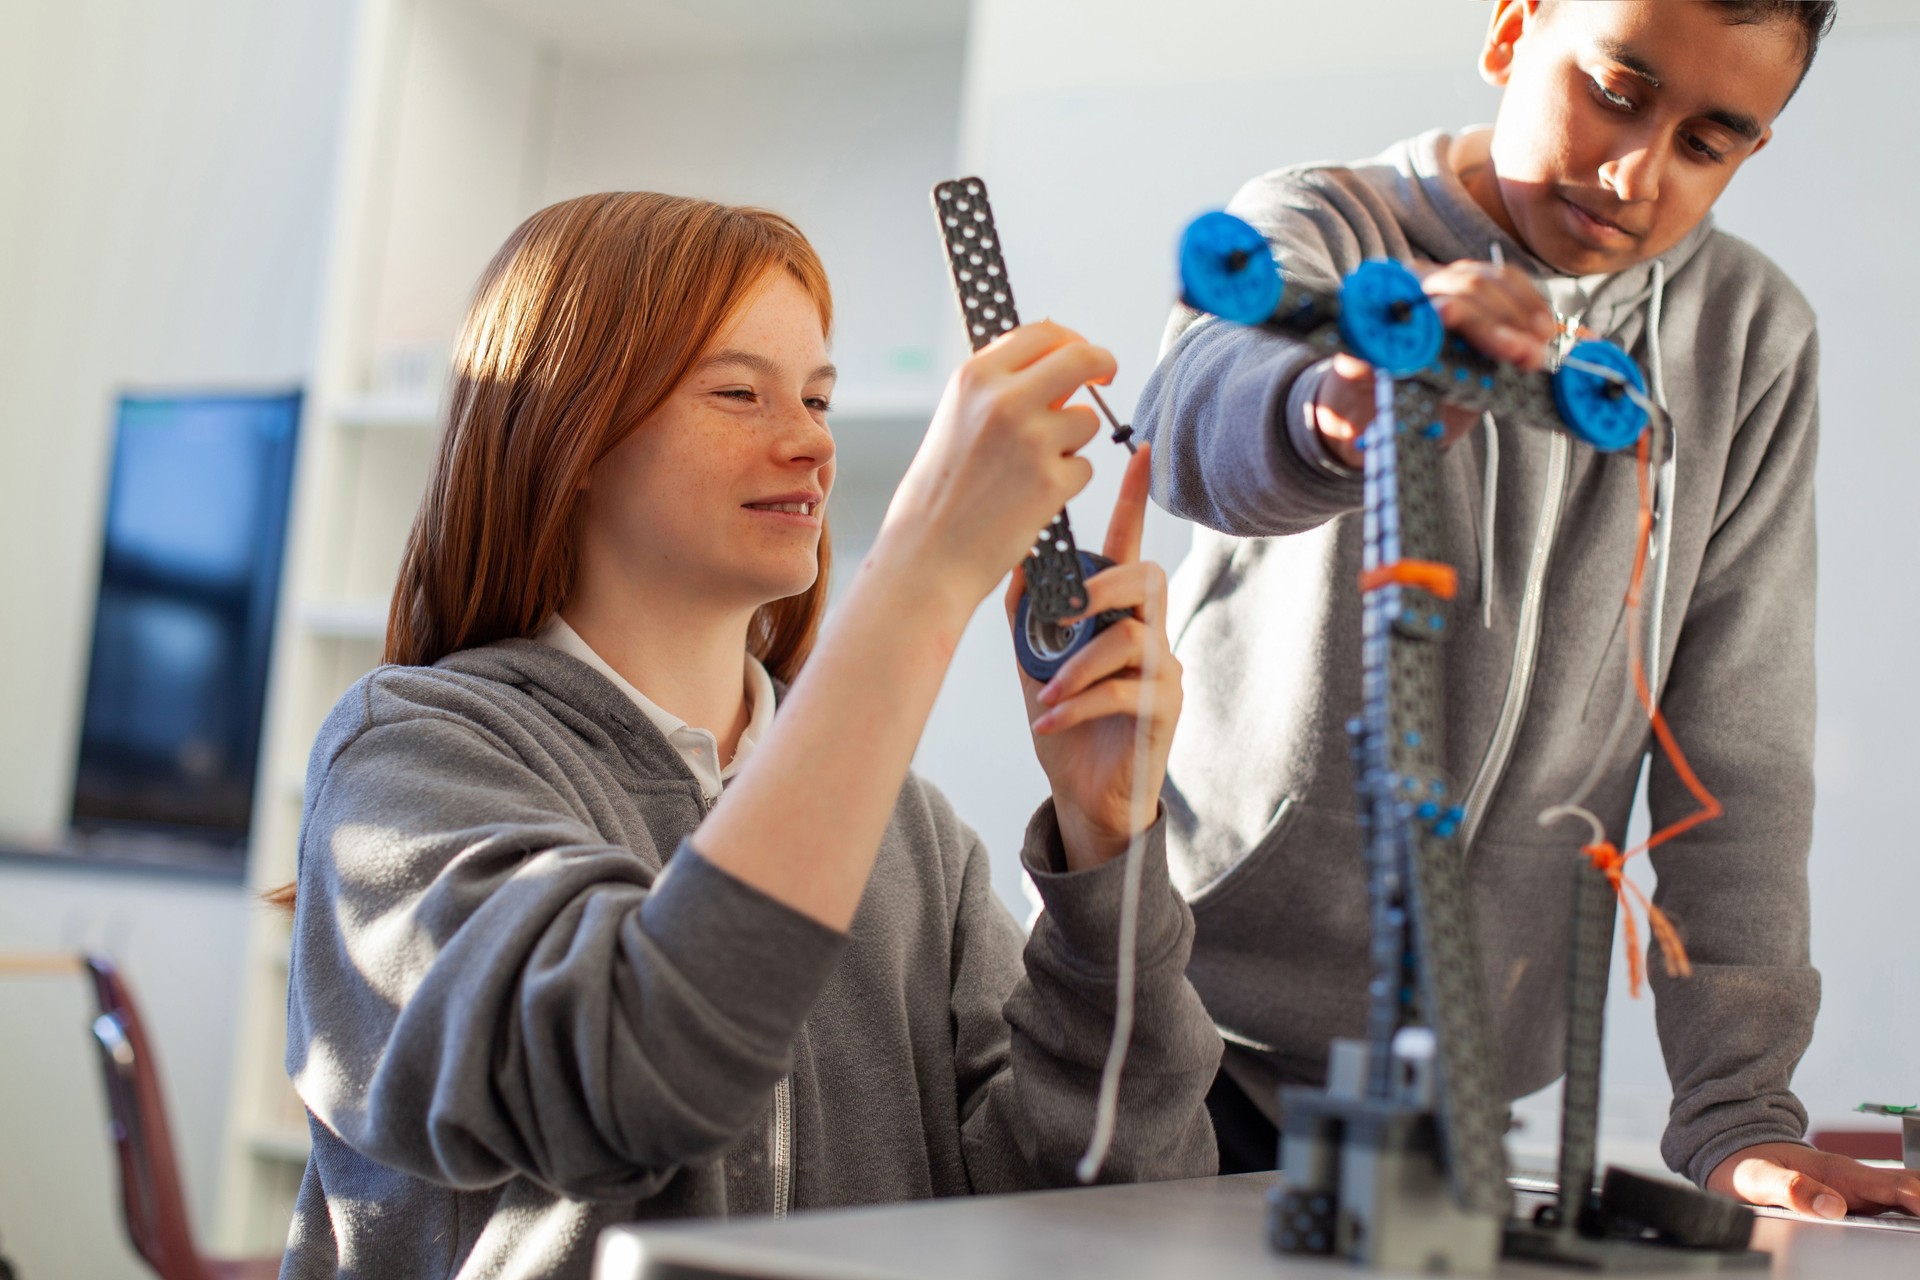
1610 862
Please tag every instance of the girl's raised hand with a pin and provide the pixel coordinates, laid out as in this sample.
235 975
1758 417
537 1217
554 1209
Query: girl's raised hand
1000 457
1087 726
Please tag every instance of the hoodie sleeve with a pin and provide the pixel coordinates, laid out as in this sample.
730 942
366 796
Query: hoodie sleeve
1029 1046
1740 695
1223 407
483 988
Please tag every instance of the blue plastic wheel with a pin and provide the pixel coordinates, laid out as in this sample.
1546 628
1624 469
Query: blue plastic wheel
1227 270
1386 320
1043 645
1595 407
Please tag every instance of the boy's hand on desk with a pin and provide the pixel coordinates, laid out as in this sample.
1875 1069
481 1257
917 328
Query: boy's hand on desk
1497 309
1819 1183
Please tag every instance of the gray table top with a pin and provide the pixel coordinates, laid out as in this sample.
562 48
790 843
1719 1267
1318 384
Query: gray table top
1210 1227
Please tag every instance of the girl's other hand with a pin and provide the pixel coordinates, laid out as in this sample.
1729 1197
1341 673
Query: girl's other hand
1000 457
1085 720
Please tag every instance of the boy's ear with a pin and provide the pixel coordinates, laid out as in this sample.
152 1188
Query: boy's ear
1512 19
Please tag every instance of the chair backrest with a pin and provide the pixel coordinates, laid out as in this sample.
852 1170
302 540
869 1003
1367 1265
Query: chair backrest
154 1200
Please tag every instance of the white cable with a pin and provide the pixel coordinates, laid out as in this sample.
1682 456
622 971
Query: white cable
1141 808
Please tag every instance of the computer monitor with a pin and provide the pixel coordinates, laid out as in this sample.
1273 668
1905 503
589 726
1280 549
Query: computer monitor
196 520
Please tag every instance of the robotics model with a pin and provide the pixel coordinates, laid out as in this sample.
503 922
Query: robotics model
1400 1163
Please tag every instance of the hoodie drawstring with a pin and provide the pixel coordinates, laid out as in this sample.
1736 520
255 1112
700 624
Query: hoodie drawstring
1489 499
1663 484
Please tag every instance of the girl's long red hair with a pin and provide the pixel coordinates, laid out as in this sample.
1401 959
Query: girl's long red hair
589 315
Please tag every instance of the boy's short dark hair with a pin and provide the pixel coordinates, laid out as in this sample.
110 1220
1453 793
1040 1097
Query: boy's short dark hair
1814 18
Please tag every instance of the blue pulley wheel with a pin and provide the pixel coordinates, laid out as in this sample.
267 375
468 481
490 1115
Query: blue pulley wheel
1043 645
1227 270
1595 406
1386 320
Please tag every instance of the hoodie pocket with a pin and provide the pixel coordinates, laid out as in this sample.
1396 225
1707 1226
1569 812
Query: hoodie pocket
1280 937
1224 885
1302 843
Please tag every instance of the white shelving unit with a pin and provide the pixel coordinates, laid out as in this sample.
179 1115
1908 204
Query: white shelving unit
463 117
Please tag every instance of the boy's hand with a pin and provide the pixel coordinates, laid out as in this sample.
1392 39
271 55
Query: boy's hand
1497 309
1084 719
1818 1183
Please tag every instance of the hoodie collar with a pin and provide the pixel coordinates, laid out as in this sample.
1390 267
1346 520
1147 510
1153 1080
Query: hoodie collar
578 697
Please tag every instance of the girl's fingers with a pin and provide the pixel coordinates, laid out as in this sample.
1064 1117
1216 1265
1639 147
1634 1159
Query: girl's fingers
1108 698
1070 428
1050 380
1129 518
1121 647
1019 348
1139 586
1119 695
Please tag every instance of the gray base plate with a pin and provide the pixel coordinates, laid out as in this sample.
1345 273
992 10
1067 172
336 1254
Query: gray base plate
1534 1243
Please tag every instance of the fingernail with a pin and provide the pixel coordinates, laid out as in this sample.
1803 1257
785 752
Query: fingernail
1830 1206
1044 723
1048 692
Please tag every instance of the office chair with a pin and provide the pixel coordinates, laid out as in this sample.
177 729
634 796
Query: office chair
153 1200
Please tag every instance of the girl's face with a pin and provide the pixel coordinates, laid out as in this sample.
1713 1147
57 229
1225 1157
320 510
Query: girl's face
717 496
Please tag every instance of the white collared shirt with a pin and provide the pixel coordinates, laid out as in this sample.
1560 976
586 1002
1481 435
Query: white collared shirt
696 746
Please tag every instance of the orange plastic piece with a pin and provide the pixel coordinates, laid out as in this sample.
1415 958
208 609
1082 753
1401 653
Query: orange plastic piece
1441 580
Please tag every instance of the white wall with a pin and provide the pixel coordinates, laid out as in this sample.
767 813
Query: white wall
167 173
847 142
1102 127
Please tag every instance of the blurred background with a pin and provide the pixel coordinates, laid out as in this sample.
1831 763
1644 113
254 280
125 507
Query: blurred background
235 239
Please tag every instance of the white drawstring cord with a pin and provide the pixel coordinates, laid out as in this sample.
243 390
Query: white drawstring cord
1141 808
1664 482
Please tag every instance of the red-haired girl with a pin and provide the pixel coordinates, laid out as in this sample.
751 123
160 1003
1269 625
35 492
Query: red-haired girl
585 930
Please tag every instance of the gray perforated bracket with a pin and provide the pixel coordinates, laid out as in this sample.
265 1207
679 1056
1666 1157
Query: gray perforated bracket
979 271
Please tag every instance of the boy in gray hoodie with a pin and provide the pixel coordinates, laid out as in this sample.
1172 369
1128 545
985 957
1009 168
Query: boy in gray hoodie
1619 126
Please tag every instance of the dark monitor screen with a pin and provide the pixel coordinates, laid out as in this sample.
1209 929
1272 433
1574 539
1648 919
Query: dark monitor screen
196 522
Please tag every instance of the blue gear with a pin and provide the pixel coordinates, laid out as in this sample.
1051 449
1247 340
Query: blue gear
1386 320
1227 270
1596 408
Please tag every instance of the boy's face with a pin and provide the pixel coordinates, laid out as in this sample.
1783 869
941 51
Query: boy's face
1621 123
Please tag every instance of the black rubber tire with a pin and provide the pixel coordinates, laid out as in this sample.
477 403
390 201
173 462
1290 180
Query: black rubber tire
1677 1213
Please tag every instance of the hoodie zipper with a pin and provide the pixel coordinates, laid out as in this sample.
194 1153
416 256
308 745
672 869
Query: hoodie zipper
780 1129
1526 646
781 1146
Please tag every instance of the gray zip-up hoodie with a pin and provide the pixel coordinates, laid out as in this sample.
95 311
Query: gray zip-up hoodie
1263 835
523 1007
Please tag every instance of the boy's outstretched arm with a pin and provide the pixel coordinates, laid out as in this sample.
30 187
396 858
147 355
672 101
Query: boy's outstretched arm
1226 407
1740 697
1256 432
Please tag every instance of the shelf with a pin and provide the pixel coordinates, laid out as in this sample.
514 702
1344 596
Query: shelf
855 408
344 619
388 413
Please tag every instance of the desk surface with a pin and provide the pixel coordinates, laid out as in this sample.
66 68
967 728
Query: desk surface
1210 1227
